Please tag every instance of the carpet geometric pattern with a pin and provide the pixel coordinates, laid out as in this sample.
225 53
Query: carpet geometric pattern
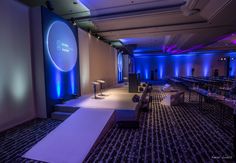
169 134
16 141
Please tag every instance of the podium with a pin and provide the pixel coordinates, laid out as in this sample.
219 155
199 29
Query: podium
133 83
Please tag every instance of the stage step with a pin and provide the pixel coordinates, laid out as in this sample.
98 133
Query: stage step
60 115
65 108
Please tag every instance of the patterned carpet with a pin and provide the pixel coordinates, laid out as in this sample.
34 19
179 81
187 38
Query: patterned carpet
16 141
169 134
166 134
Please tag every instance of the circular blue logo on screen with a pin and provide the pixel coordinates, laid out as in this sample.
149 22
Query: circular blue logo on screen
61 46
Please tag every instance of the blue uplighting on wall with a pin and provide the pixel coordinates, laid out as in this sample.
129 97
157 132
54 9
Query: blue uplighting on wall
58 84
161 71
176 71
188 69
120 66
194 63
205 71
72 81
175 60
138 71
146 74
232 63
207 63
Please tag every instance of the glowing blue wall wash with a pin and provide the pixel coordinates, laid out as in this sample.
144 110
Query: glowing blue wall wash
189 59
176 71
120 67
161 71
138 70
58 83
202 63
208 57
146 74
188 69
232 63
72 82
175 60
205 71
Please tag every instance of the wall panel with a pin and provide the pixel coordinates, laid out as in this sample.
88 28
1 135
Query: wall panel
16 89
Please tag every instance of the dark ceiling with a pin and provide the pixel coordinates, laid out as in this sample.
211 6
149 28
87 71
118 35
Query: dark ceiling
153 26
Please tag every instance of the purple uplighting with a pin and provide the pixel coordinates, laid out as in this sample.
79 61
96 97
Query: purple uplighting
234 42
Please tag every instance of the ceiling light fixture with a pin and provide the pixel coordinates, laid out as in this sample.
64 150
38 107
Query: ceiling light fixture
73 21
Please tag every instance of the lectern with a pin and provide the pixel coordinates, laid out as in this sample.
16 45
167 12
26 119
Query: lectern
133 83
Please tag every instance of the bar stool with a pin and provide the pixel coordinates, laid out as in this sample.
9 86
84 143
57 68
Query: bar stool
101 82
125 80
95 89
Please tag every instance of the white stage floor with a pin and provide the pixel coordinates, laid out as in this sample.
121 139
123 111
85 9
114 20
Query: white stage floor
72 140
116 98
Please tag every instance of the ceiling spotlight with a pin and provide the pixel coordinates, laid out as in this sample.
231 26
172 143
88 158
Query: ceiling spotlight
49 5
73 21
98 37
224 59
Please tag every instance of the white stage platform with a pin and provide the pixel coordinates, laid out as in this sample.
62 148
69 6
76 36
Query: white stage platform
72 140
117 98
